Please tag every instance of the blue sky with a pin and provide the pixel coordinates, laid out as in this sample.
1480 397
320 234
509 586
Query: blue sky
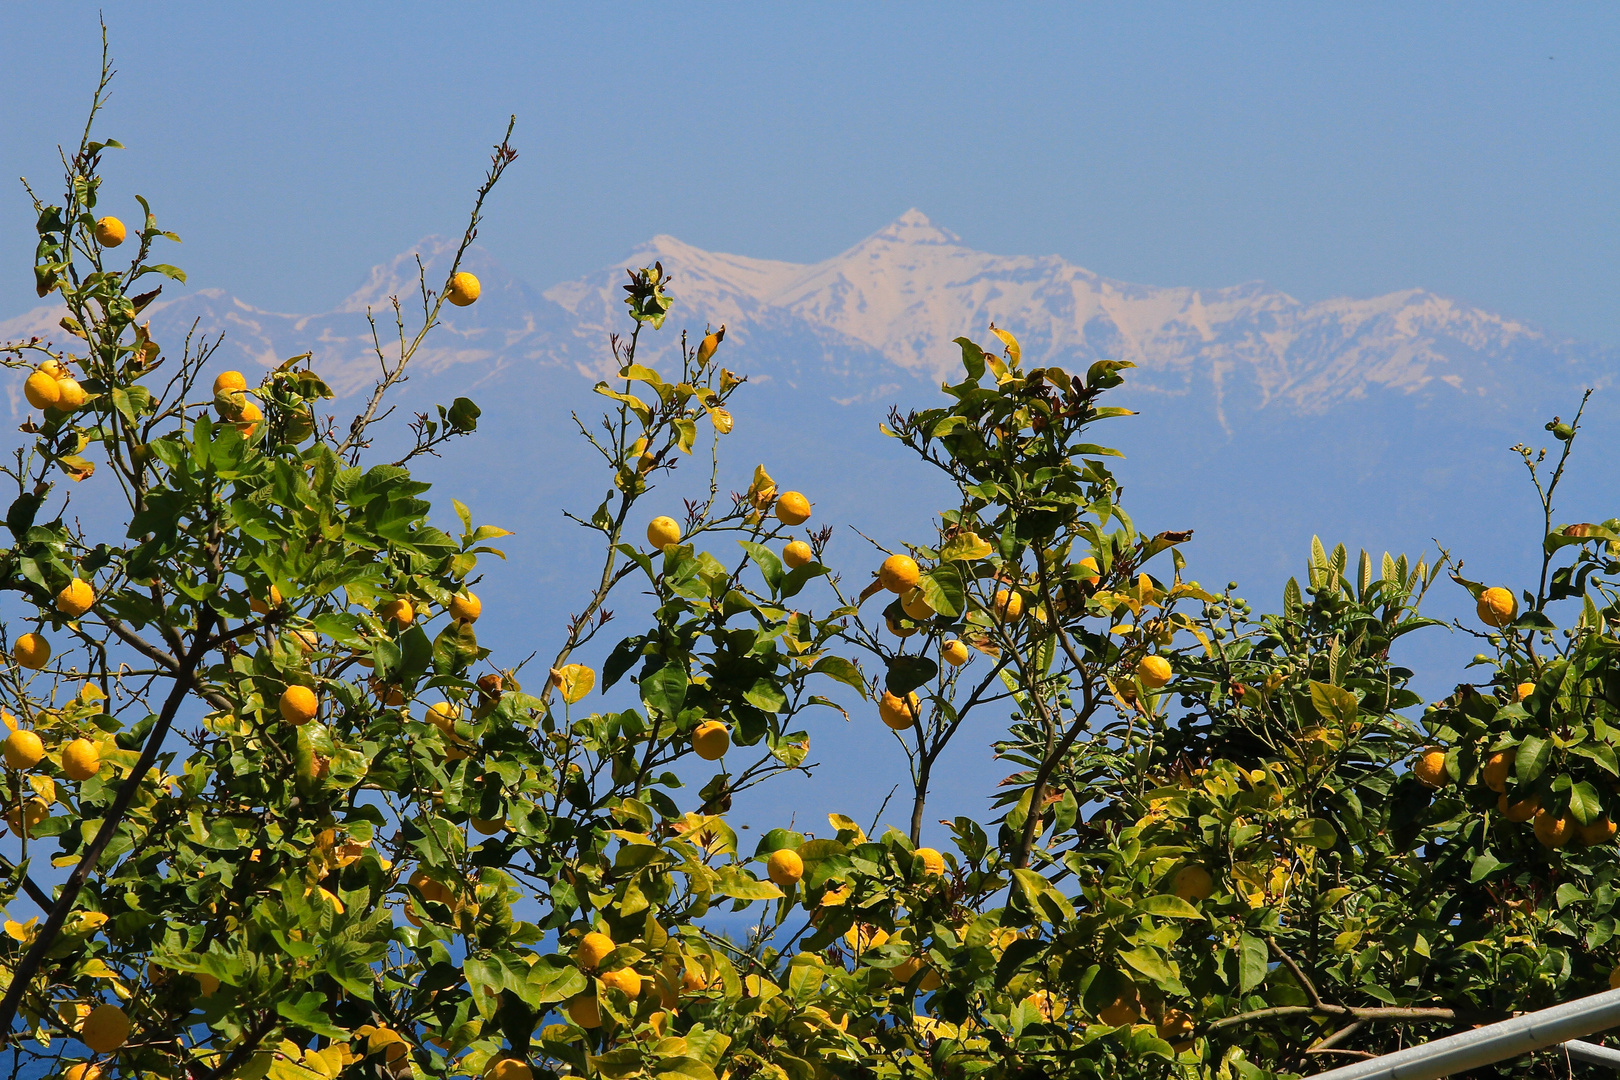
1327 149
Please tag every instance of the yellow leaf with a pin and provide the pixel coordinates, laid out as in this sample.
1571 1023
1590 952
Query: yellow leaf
43 786
574 680
23 932
1014 353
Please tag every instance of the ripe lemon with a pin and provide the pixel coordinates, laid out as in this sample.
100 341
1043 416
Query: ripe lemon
207 985
247 420
663 531
465 607
463 289
1430 768
915 605
583 1011
624 979
508 1068
398 611
25 817
1600 831
81 759
899 574
1497 607
24 749
797 554
785 867
42 391
693 980
228 383
896 628
488 826
1123 1010
1496 770
84 1070
1008 604
262 607
1523 690
1153 672
70 395
898 713
75 598
711 739
1193 884
443 715
933 862
905 970
1174 1025
1090 564
105 1029
1554 830
110 232
593 949
299 705
792 509
31 651
53 368
1521 811
954 652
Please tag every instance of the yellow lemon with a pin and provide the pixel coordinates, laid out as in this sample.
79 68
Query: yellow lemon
785 867
899 574
84 1070
81 759
693 980
1554 830
488 826
463 289
711 739
1123 1010
442 715
299 705
915 605
1008 604
663 531
25 817
262 607
508 1068
228 383
1430 768
398 611
1600 831
623 979
954 652
1523 690
31 651
792 509
1497 607
1193 884
896 628
110 232
1153 672
583 1011
593 949
207 985
24 749
898 713
1174 1025
70 395
933 862
797 554
42 391
105 1029
75 598
247 420
1496 770
465 607
1521 811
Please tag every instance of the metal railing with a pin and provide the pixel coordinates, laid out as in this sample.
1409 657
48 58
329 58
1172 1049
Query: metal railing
1498 1042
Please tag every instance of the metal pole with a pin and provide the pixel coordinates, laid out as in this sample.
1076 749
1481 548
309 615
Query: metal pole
1591 1052
1483 1046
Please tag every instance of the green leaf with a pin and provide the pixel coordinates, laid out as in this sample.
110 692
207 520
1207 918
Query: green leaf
1531 758
664 690
1252 963
906 673
964 546
845 671
1585 803
463 414
1334 704
942 588
736 882
1317 833
1170 907
770 567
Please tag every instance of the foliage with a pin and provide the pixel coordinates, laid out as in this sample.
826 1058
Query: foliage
1230 845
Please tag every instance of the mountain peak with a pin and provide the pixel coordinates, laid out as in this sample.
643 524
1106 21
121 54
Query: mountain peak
913 227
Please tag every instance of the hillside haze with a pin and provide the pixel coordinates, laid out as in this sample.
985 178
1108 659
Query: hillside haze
1382 422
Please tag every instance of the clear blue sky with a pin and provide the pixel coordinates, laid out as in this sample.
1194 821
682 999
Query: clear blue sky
1327 149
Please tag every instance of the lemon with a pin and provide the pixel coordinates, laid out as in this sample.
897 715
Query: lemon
87 1071
797 554
1600 831
899 574
1123 1010
1008 605
508 1068
1497 607
933 862
110 232
898 713
105 1029
262 607
398 611
299 705
465 607
42 391
32 651
1090 564
624 979
785 867
792 509
663 531
583 1011
1193 883
25 817
1521 811
1174 1025
1430 768
1523 690
1554 830
75 598
70 395
207 985
693 979
915 605
81 759
1153 672
896 629
247 419
1496 770
488 826
443 715
711 739
24 749
463 289
593 949
228 383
